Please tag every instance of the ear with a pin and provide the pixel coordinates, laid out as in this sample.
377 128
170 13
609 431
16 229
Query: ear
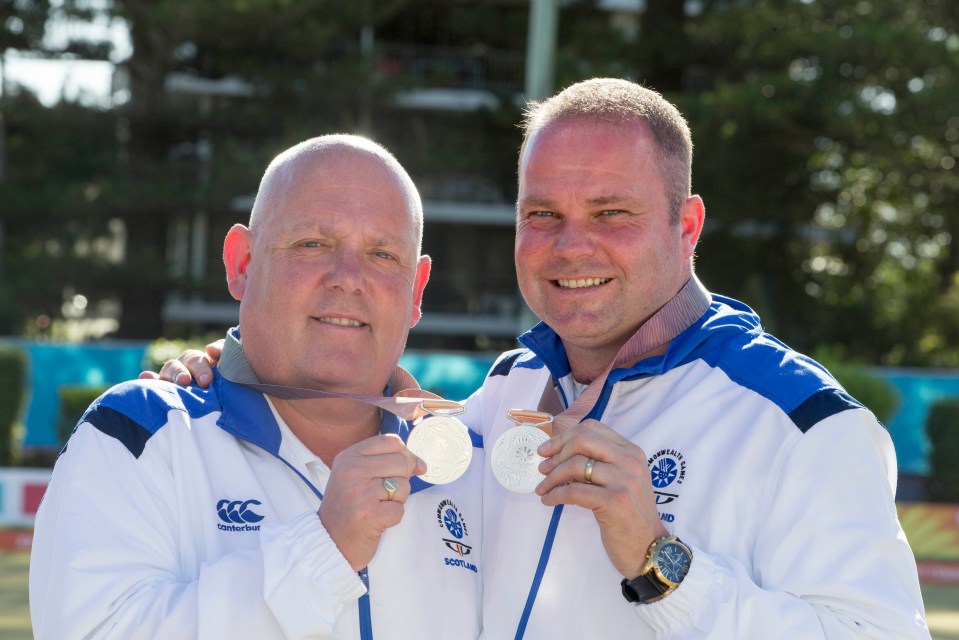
419 284
691 218
237 249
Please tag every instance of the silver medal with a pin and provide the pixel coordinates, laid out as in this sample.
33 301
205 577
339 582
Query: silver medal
515 461
443 442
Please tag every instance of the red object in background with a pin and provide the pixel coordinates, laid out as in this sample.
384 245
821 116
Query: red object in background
32 494
16 539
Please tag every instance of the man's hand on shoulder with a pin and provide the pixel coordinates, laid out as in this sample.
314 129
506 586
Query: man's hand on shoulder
190 365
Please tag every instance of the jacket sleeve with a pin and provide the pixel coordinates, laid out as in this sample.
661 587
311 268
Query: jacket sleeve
108 560
830 560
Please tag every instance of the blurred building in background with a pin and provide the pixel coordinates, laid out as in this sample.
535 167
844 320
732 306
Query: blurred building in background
448 108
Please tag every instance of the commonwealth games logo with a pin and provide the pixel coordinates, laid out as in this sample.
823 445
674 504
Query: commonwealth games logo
667 469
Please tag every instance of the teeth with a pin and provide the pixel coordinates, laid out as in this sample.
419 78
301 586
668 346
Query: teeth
582 282
343 322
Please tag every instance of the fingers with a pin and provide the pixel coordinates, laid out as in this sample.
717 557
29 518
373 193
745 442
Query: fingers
619 491
615 460
214 350
387 455
199 366
369 484
559 441
573 470
174 371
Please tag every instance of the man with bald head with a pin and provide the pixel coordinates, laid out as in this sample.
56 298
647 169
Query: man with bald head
226 512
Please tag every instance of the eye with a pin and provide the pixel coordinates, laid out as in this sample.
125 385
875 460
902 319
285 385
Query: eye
385 255
611 212
311 244
542 214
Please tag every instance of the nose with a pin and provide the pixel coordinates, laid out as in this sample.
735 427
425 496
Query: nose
346 271
573 240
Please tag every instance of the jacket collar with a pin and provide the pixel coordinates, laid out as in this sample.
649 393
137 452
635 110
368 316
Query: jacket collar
675 323
246 413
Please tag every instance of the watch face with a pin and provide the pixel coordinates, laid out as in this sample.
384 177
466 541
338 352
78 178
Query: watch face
673 561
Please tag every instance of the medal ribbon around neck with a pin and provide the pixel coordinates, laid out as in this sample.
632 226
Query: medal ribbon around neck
441 440
514 459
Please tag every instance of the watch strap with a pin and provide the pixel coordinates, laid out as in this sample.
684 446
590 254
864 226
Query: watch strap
642 588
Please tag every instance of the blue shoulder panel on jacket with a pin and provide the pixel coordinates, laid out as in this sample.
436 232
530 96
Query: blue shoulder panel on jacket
732 340
821 405
503 367
133 411
116 425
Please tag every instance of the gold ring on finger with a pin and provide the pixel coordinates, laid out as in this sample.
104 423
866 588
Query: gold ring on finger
588 473
391 486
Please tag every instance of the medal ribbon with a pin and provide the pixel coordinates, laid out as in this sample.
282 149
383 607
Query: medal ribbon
652 338
411 403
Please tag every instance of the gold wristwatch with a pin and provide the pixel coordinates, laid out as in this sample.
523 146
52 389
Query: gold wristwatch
667 563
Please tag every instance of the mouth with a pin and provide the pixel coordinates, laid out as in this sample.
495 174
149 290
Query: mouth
581 283
340 321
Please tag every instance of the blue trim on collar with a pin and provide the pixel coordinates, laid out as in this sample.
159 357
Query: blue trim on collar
546 344
729 337
246 414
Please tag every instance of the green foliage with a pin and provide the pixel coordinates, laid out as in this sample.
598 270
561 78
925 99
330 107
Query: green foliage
877 394
163 349
826 153
74 401
942 427
826 143
13 380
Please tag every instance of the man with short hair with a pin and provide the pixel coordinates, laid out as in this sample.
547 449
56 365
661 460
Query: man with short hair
732 488
225 512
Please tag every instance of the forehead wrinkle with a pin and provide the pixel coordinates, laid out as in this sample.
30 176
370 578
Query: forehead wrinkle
608 199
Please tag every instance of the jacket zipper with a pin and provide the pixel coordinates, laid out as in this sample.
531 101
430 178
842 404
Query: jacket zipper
366 620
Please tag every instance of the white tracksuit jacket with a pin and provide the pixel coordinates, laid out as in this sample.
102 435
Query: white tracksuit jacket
176 513
781 483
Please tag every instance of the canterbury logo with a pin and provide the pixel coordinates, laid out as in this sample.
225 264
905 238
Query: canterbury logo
238 511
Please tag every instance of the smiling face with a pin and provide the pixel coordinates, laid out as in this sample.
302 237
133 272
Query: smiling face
596 253
330 278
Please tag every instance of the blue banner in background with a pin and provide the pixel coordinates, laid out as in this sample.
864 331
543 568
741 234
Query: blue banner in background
918 390
451 375
54 364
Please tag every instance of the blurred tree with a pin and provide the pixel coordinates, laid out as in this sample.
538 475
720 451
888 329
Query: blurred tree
826 153
826 141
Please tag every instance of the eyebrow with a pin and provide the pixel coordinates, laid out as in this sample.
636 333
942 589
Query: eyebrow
548 203
379 240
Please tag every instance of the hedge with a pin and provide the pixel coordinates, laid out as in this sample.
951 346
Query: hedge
13 382
942 427
74 401
876 393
